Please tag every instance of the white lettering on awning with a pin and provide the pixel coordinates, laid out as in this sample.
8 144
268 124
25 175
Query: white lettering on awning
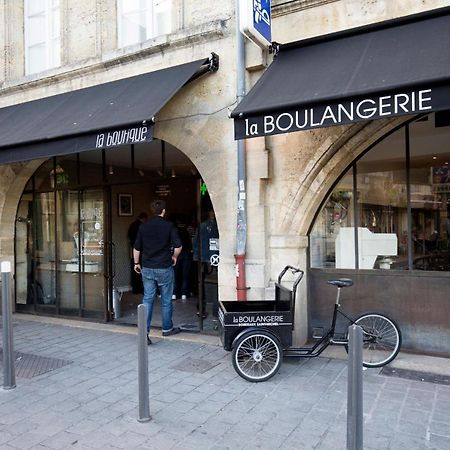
342 113
121 137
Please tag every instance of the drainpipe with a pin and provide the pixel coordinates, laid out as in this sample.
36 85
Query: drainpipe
241 231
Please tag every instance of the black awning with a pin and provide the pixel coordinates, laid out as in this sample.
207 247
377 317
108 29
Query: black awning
115 113
394 68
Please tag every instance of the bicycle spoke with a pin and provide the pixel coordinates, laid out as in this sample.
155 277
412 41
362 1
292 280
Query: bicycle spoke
257 357
381 339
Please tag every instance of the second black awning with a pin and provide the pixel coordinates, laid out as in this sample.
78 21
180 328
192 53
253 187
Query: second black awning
116 113
394 68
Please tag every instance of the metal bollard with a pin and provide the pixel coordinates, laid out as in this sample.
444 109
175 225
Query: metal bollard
355 389
9 369
144 401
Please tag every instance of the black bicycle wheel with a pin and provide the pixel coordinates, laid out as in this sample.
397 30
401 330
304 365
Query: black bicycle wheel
381 339
257 356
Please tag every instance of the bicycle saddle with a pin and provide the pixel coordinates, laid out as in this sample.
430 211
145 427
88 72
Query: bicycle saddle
342 282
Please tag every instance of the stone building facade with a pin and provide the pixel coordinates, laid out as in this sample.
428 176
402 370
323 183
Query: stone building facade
289 176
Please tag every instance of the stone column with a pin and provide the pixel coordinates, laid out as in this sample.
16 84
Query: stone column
292 250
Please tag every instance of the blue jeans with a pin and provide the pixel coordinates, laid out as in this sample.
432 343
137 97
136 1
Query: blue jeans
152 280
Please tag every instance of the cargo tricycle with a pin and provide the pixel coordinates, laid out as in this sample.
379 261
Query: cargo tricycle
259 333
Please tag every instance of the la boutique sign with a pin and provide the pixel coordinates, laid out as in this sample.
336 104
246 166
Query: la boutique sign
114 138
255 21
326 115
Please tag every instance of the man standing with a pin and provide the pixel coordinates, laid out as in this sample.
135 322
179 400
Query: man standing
136 279
153 247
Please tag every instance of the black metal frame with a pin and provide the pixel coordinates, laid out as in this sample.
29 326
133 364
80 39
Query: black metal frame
229 333
326 340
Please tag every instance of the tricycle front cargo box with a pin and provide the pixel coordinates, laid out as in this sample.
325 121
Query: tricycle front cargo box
235 317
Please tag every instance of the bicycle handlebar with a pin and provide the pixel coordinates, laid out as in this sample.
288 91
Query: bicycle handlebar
294 270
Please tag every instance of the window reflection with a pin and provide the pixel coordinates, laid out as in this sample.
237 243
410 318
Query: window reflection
430 193
333 222
383 205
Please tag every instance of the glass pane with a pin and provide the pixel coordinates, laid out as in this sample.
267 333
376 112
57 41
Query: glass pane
118 165
37 60
36 28
162 17
24 251
91 168
430 192
67 243
127 6
382 205
332 236
44 219
133 29
66 171
35 6
92 250
43 177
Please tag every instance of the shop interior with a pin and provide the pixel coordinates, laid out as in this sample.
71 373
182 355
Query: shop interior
397 195
73 249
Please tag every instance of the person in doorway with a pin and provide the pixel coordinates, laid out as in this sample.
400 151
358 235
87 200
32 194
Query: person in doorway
136 279
208 230
154 260
182 285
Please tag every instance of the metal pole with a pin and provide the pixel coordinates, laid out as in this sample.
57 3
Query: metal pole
241 232
144 401
9 369
355 389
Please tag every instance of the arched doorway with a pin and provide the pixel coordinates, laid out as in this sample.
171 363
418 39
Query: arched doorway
385 224
72 248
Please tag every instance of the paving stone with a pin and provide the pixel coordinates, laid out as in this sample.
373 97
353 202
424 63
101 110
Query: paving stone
94 399
439 442
27 440
407 442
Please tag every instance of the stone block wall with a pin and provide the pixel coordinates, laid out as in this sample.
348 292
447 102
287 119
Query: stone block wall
287 176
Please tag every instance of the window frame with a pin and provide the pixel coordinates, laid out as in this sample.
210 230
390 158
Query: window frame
147 9
52 58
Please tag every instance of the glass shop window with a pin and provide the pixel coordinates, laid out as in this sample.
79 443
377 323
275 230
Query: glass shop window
42 35
333 227
140 20
430 192
382 205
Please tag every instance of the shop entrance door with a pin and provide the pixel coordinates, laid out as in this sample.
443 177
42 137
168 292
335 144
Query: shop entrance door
62 271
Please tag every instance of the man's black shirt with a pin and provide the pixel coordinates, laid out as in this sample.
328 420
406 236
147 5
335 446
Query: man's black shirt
155 240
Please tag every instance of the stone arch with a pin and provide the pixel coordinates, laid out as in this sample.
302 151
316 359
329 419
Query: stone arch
311 188
213 159
15 177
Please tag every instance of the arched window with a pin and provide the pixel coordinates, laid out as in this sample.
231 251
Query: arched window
391 208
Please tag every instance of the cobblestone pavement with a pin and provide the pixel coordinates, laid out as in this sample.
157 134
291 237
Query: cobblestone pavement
197 401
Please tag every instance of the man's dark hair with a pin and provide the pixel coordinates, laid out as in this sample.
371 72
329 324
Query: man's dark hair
157 206
142 215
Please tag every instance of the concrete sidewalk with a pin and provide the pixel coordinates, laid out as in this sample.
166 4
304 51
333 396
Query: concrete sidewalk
197 401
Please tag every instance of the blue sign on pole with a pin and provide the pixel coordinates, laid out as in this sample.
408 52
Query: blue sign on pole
255 21
261 19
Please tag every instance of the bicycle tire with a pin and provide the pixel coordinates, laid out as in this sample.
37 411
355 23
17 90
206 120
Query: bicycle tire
257 356
382 339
